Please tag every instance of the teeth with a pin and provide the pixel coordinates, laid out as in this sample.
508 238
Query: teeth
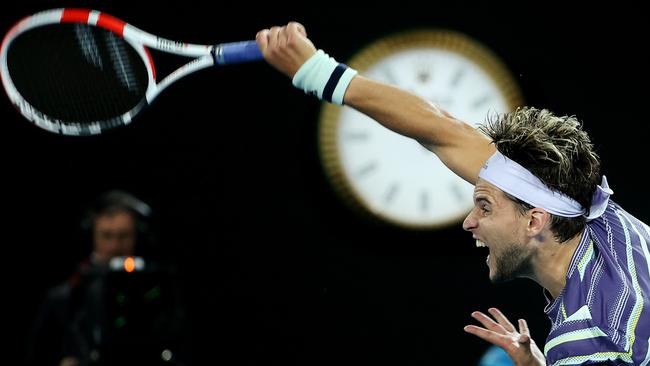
480 244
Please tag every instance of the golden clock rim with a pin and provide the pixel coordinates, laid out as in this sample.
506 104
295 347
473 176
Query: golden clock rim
444 39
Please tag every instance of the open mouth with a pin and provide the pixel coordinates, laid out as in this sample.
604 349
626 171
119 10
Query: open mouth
480 244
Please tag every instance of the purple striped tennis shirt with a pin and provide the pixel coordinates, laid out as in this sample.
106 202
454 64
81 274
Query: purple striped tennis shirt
602 316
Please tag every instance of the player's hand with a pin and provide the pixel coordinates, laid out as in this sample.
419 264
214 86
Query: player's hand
517 343
285 48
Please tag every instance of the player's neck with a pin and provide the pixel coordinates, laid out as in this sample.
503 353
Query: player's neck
551 263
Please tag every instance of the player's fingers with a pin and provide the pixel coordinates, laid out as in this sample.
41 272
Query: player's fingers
488 322
487 335
282 36
523 327
295 27
498 315
262 38
273 36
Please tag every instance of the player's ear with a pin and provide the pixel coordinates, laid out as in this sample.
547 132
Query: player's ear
538 218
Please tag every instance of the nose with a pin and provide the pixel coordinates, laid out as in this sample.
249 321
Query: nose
470 223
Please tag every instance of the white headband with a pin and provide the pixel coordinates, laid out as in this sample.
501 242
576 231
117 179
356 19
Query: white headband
514 179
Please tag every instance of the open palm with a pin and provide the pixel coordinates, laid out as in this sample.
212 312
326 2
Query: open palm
517 343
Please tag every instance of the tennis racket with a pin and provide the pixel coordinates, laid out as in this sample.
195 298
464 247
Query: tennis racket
82 72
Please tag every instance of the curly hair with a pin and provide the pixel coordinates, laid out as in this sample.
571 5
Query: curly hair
556 150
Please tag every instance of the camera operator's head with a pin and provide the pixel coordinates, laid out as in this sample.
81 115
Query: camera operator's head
117 222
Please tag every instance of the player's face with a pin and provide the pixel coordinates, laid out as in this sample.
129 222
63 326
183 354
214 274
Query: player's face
496 224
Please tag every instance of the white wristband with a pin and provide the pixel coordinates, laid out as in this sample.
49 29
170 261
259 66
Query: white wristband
322 76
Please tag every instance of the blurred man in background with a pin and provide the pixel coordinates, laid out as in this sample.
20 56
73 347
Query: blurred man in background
120 306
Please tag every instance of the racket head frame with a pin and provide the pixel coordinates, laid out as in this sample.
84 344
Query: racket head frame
136 38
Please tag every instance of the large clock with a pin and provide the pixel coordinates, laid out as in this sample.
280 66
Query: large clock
391 177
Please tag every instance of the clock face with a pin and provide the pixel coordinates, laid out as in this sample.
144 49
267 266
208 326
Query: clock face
393 177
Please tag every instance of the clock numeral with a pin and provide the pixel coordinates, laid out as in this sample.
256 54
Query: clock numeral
424 201
458 193
391 193
357 136
478 103
367 169
423 76
458 76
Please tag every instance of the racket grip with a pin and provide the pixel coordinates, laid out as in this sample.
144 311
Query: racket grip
236 52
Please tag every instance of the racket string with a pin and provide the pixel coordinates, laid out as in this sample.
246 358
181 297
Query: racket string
121 63
88 45
77 73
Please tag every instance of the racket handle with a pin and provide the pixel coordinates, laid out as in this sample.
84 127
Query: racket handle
236 52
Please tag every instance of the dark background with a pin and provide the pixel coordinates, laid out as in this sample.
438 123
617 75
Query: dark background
276 269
